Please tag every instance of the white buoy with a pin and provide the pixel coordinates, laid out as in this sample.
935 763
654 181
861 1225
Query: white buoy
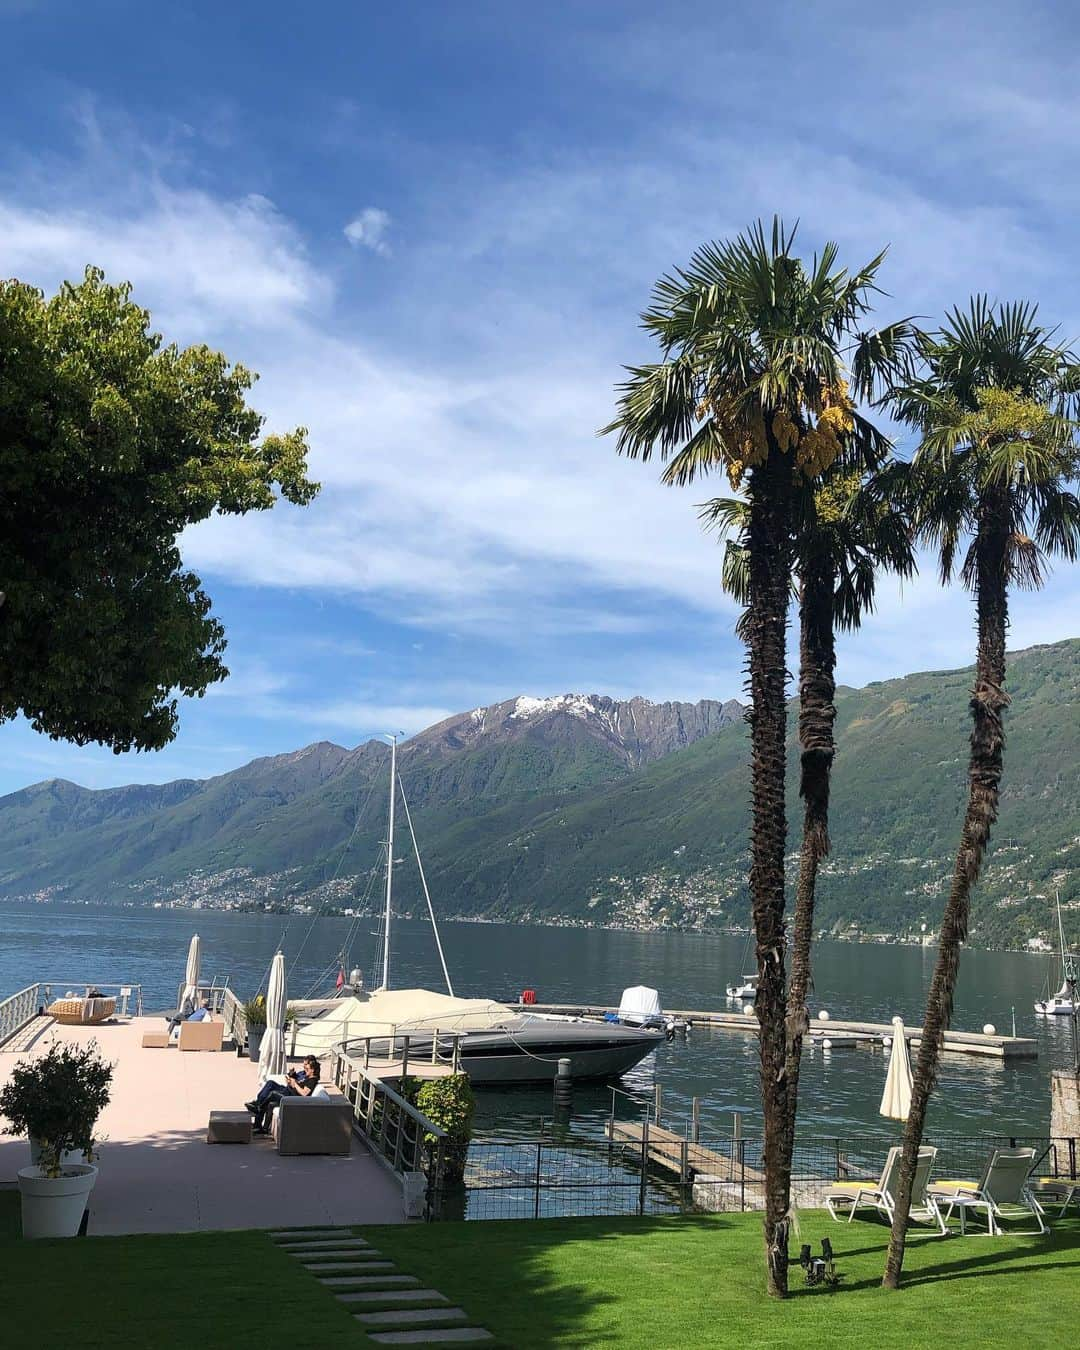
826 1044
989 1029
748 1008
886 1041
823 1016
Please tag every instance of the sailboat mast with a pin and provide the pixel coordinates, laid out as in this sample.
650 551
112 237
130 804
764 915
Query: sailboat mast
389 865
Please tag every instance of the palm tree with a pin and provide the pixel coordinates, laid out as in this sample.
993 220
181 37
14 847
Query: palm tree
992 407
845 534
752 379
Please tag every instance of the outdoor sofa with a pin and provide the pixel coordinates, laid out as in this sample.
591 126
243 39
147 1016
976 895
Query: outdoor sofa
321 1123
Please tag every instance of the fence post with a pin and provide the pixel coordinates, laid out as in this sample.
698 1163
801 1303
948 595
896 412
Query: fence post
684 1173
539 1173
405 1057
695 1113
1072 1157
435 1047
659 1096
644 1183
742 1175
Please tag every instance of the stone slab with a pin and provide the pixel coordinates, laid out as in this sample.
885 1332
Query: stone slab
355 1264
333 1280
392 1295
323 1245
387 1282
440 1335
402 1317
342 1254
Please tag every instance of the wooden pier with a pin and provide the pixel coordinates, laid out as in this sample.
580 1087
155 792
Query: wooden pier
675 1153
1003 1048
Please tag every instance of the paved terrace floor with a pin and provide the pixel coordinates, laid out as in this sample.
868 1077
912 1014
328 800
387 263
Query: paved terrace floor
159 1175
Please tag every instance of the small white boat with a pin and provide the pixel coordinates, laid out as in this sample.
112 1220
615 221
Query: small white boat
747 991
1064 1003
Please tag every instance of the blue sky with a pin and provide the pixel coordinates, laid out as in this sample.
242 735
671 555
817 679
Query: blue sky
431 229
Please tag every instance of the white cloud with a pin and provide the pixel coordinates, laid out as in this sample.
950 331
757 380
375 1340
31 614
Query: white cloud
368 230
201 264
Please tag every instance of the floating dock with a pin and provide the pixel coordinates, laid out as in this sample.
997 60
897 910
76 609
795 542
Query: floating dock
1003 1048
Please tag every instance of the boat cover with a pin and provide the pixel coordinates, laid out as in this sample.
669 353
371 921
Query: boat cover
640 1001
387 1011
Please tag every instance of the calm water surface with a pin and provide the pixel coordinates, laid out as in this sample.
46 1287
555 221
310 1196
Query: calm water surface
840 1092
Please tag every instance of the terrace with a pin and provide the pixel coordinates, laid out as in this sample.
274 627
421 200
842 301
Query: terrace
159 1175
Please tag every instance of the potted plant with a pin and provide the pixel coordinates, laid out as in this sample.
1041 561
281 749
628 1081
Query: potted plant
55 1101
255 1018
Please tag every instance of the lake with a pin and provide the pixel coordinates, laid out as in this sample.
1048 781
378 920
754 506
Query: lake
839 1093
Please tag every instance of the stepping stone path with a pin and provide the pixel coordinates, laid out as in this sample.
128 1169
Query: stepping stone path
355 1273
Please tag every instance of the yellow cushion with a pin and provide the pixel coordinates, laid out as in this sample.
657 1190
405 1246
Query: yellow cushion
954 1186
854 1186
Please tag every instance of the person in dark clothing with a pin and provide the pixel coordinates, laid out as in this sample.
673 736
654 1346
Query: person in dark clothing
296 1083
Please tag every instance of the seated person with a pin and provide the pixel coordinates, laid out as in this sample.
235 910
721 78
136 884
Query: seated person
189 1013
296 1083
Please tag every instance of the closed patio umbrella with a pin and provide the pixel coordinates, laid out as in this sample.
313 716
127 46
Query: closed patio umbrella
191 973
272 1050
896 1099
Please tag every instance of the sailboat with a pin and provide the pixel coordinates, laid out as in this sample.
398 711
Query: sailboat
747 990
500 1044
1064 1002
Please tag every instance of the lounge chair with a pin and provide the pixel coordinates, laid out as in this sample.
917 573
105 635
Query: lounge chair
82 1012
1063 1191
1003 1193
881 1195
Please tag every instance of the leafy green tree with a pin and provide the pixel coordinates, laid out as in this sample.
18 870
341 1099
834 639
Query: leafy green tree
992 403
844 535
753 380
110 445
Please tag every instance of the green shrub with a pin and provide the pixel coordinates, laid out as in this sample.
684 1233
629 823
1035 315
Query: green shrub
57 1099
450 1104
255 1013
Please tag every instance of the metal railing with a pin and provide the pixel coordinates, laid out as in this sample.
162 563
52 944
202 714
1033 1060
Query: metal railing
560 1175
233 1015
214 993
401 1135
18 1011
129 999
406 1047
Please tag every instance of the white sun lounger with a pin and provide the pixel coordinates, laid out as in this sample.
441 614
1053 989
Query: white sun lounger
881 1195
1003 1194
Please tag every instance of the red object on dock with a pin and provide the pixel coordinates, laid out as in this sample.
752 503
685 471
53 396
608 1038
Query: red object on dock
528 996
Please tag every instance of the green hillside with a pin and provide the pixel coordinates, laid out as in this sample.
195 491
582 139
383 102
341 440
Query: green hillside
554 822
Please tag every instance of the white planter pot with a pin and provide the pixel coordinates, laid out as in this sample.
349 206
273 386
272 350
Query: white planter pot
53 1207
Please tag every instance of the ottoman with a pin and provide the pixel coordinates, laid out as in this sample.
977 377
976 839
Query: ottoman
155 1040
229 1127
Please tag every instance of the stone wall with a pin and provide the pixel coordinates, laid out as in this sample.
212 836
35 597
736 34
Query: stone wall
1064 1104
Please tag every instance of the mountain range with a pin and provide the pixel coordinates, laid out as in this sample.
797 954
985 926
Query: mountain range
584 808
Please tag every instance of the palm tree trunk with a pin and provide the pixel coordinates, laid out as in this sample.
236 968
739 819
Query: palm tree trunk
769 580
817 715
988 703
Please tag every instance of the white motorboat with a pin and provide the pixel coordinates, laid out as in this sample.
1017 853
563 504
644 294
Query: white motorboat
498 1044
1064 1003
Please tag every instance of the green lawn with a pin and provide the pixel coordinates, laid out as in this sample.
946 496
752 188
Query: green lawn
694 1282
653 1283
221 1291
